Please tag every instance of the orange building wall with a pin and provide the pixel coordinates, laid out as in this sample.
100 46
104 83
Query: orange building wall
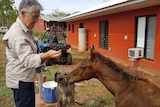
120 24
39 26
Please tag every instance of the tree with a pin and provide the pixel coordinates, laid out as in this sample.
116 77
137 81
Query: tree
60 13
8 13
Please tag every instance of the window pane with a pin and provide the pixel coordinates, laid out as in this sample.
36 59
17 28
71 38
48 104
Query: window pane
81 25
141 32
72 28
104 34
151 29
69 27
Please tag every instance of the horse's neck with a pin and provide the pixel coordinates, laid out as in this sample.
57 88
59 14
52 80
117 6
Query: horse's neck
112 80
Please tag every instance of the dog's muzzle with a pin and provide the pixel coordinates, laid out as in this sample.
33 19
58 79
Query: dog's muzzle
60 78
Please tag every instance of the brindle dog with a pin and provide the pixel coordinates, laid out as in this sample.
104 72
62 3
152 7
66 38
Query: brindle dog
64 91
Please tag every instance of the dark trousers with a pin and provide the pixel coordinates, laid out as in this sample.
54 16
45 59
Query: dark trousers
25 95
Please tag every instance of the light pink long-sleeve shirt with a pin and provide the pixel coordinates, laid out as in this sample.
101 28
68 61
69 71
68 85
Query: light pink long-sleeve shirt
21 53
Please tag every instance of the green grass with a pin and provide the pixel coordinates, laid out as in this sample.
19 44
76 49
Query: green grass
6 98
51 72
76 57
106 100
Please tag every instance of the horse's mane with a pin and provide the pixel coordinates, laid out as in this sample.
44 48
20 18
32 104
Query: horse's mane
126 75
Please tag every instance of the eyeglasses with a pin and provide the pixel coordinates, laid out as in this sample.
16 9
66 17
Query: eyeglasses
35 17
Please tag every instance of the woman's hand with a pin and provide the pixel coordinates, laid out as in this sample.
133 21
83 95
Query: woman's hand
51 54
54 54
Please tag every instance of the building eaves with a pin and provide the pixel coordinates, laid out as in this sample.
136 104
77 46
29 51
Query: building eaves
113 6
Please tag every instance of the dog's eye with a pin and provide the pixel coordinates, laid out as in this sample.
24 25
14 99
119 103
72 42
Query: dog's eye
58 73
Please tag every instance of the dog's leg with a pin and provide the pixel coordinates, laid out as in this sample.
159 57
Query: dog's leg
59 104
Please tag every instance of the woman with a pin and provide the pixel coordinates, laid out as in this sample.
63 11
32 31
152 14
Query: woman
22 56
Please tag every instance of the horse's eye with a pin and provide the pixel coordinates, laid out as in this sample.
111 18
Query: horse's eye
83 66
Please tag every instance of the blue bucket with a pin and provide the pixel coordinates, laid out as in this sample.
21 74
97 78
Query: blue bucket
49 91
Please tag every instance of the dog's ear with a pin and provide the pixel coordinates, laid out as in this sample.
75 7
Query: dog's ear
55 77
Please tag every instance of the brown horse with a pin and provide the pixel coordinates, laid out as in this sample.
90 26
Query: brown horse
129 90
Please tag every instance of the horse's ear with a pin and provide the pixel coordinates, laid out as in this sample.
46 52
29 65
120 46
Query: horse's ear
92 47
91 50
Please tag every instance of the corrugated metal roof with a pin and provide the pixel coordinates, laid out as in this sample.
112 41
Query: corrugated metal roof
110 7
101 6
48 18
104 5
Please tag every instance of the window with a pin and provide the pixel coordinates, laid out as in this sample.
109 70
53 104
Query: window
104 34
145 35
69 27
72 28
81 25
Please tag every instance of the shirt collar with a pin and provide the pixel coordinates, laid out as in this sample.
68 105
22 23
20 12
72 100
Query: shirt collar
25 29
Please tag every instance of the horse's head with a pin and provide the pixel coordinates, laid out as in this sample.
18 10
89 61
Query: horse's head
85 70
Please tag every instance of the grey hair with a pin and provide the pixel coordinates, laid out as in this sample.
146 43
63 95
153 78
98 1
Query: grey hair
30 5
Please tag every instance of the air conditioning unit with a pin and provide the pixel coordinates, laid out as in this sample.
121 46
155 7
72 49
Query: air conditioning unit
135 53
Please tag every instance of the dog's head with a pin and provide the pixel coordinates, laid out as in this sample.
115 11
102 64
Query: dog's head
61 76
